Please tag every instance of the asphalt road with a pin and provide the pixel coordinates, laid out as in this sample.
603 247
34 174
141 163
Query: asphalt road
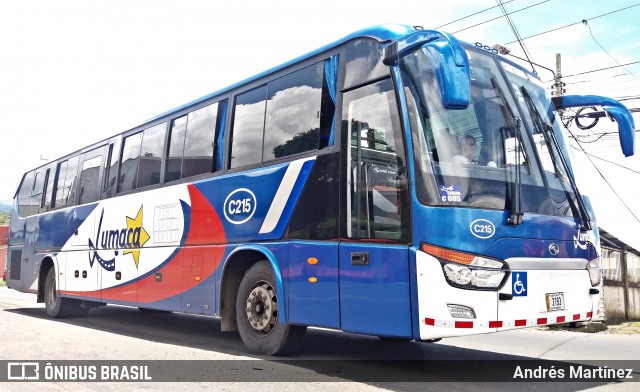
325 361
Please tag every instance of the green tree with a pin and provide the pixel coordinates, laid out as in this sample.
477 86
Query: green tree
304 141
4 218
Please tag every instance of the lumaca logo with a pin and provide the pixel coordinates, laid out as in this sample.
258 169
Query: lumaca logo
131 239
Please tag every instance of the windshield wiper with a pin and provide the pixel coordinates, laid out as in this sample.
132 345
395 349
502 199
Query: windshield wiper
585 220
517 215
542 127
550 138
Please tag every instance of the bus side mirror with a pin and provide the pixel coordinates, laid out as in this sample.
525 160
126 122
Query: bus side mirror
619 112
453 78
448 59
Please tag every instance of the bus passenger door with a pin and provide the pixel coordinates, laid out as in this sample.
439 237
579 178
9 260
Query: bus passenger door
374 257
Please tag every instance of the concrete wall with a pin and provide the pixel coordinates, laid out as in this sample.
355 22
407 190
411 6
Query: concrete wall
614 303
634 303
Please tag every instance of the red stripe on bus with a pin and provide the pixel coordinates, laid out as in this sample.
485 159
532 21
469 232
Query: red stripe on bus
495 324
560 319
542 321
576 317
464 324
430 321
589 314
521 323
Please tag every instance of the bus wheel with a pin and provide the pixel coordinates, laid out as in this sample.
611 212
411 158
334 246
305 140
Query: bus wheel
58 307
257 314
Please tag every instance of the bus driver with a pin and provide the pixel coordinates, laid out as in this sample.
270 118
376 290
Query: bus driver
467 149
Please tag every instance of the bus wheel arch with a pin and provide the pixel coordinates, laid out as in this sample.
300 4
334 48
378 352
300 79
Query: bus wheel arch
237 264
45 265
56 306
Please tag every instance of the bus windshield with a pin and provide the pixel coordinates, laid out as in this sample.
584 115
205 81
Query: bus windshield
499 153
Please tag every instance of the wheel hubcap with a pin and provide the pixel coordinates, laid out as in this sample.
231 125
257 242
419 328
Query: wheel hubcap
262 308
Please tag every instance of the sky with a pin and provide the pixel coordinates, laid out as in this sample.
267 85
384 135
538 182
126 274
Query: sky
74 72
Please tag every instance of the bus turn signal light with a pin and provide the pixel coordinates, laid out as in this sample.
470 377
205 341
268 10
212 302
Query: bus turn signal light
448 254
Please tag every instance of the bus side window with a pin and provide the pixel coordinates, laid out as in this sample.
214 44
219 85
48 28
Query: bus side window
36 192
363 62
66 182
24 194
248 124
129 162
199 144
292 121
45 200
173 170
192 144
111 170
151 155
49 202
89 188
377 195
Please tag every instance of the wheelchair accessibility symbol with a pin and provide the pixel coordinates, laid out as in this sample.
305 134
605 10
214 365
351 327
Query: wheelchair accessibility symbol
519 284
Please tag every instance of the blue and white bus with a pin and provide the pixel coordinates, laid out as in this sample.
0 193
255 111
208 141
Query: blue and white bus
397 183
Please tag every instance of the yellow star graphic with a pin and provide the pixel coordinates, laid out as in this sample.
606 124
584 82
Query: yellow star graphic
137 236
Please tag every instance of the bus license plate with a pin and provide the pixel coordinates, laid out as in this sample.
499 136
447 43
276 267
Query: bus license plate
555 301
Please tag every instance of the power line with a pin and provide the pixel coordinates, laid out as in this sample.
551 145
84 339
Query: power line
628 98
516 33
603 83
573 24
604 89
601 175
604 78
498 17
600 69
470 15
613 163
594 140
602 47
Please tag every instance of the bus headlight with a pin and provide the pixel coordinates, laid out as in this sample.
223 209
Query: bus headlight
595 272
458 274
468 271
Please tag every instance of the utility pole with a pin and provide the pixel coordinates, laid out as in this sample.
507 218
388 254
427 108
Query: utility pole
559 84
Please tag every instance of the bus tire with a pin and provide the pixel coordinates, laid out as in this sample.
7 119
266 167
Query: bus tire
59 307
257 314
